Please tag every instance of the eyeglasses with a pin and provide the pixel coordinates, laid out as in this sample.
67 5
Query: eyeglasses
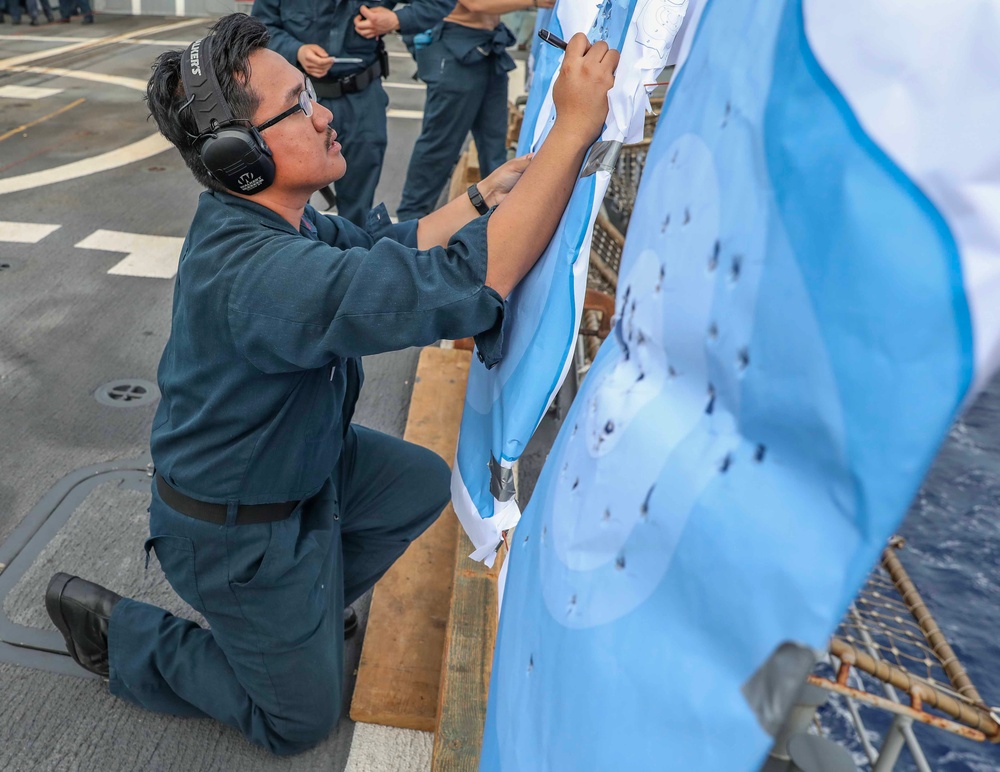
306 98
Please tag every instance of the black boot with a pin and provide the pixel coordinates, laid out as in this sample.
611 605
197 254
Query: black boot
350 622
88 19
81 610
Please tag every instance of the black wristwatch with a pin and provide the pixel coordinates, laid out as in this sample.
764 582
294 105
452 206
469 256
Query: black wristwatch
477 199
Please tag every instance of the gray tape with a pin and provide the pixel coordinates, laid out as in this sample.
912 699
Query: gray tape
772 690
603 157
501 481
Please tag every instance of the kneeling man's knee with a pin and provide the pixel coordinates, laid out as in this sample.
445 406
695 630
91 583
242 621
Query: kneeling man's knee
286 737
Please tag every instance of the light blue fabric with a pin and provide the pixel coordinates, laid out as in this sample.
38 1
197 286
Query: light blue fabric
793 343
503 406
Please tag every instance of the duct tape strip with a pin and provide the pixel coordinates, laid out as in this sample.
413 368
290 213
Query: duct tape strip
501 481
603 157
771 691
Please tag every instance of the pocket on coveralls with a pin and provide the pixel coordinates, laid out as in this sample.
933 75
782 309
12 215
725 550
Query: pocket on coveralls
431 61
286 553
175 554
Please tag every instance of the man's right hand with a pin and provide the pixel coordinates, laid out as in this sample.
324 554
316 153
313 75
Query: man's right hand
580 93
314 60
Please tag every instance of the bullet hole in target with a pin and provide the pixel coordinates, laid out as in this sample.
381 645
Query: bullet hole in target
531 663
735 268
743 359
671 371
713 332
609 427
644 509
758 454
713 261
606 516
665 225
687 216
726 462
526 538
620 563
576 483
710 407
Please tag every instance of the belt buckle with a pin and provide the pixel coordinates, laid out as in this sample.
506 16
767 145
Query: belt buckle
347 82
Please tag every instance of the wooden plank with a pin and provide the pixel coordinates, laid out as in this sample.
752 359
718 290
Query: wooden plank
465 675
400 672
466 172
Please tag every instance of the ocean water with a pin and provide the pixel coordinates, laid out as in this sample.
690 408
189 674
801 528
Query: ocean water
952 553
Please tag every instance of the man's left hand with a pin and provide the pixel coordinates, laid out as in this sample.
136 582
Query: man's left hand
375 22
495 188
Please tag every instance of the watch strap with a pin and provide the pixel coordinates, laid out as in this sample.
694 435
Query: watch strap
477 199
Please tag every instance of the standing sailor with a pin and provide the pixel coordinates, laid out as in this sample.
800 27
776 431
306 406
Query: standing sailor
465 68
314 36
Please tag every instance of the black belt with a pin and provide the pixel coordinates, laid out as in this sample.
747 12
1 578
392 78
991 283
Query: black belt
351 84
246 514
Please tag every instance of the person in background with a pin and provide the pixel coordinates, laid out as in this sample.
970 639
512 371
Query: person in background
69 7
314 36
35 7
465 68
522 24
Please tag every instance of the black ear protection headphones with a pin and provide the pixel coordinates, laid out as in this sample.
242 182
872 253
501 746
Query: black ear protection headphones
233 151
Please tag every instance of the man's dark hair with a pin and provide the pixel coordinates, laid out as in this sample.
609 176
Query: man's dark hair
234 38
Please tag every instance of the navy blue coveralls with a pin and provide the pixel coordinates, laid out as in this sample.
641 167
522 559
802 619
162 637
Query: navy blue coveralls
358 118
465 70
259 379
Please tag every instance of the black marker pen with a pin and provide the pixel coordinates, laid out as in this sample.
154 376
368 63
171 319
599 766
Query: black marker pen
551 39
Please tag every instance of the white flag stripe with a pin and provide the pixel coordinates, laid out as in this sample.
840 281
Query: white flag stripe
936 121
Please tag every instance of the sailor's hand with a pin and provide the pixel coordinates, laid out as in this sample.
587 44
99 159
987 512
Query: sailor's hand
496 186
314 60
375 22
581 91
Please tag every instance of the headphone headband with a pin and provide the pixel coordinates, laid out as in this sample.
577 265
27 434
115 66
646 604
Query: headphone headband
202 87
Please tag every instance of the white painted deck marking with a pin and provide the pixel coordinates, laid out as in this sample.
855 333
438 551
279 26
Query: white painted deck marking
25 58
152 257
68 39
417 115
137 151
414 86
45 38
25 232
27 92
97 77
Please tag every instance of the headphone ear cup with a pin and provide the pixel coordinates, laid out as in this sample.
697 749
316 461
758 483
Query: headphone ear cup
261 142
239 159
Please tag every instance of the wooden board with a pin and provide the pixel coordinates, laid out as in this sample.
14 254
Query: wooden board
400 671
465 676
465 173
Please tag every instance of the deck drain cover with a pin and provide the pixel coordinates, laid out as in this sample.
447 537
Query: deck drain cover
131 392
